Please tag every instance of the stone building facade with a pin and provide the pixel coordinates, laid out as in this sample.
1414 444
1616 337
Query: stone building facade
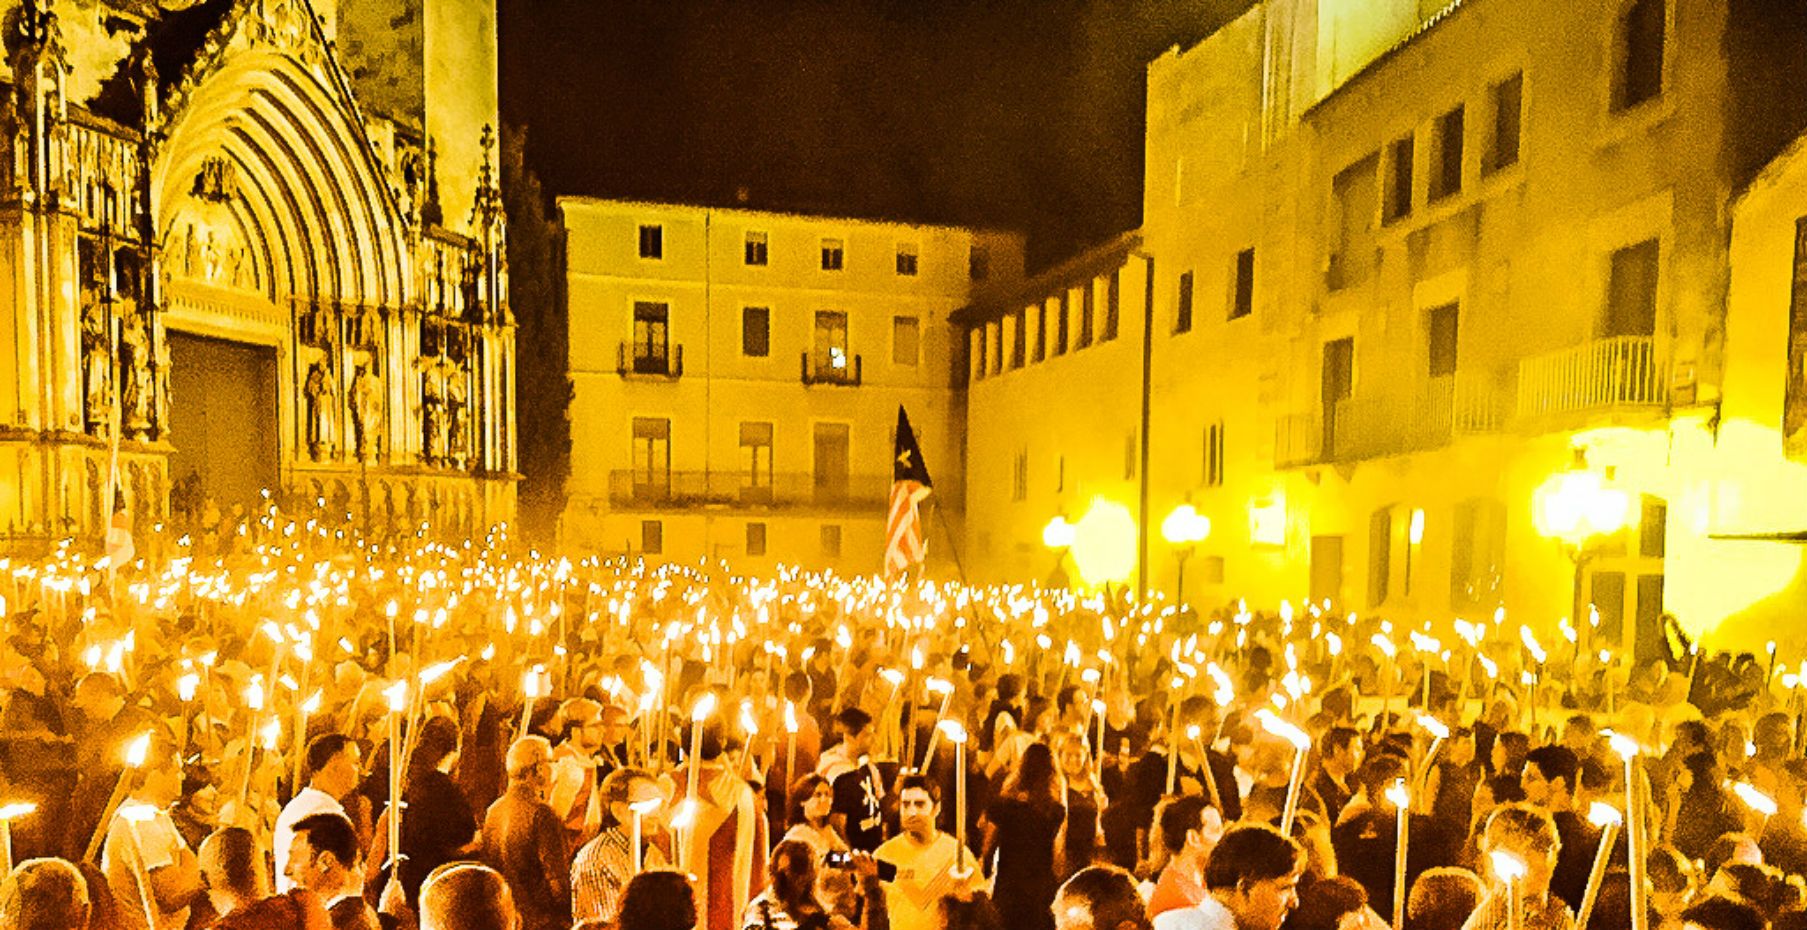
250 245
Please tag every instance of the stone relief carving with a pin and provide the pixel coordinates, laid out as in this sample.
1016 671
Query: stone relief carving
321 395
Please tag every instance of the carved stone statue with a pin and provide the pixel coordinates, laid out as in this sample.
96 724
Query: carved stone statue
322 408
456 404
364 413
135 366
432 409
97 358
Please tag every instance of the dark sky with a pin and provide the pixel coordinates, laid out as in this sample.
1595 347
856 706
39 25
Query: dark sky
1021 114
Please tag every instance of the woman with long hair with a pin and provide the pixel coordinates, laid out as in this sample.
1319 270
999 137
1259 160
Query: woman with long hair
1081 836
792 902
811 810
1020 827
658 901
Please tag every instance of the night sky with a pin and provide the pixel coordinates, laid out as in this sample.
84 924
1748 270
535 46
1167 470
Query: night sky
1020 114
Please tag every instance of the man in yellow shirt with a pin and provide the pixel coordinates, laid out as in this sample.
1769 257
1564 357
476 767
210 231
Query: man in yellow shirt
930 864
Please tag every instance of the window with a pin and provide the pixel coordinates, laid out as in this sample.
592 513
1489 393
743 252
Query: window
1446 174
755 539
1380 555
1041 332
832 254
831 343
1019 339
755 332
1631 291
1213 475
755 254
1019 477
1085 317
831 540
652 537
906 341
978 262
1354 193
1242 294
977 348
1129 456
832 441
1112 298
1508 110
994 340
1182 314
1653 527
1440 328
1060 473
1399 179
906 259
1060 330
1640 54
652 458
651 322
756 459
1477 552
652 241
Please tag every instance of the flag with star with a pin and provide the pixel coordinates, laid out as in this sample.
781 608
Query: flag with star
905 544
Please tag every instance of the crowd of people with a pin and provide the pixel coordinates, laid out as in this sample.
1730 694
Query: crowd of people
212 736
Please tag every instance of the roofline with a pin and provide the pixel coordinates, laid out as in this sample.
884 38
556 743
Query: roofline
585 200
1436 19
1083 265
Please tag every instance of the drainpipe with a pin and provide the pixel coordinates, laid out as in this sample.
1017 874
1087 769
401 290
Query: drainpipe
1147 396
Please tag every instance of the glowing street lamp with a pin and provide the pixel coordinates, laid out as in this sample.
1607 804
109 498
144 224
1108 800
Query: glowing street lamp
1576 507
1184 529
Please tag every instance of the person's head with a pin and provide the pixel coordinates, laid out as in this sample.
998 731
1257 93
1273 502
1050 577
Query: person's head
811 799
1035 777
437 745
1254 872
1718 913
797 689
918 804
324 853
1341 749
467 896
44 894
1549 777
1731 849
529 764
232 868
975 912
792 869
1073 705
657 901
99 696
1673 880
1010 687
334 764
626 787
1378 773
1527 835
1074 756
160 778
1578 733
1190 825
1442 899
855 726
1509 751
1100 897
1324 904
615 726
1773 735
584 726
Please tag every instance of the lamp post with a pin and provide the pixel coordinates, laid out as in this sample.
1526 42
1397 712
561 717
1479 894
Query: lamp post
1184 529
1057 537
1577 507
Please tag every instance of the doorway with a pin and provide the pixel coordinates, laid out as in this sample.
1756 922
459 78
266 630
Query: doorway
223 422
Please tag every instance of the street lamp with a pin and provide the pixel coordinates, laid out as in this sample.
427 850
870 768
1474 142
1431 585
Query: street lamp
1057 537
1184 529
1576 507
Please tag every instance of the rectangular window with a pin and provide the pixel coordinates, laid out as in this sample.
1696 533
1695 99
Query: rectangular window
832 254
906 341
1355 195
1085 317
1640 54
1508 112
1380 555
831 540
651 325
652 241
1019 338
1019 478
1242 295
1631 291
755 250
1440 330
830 353
755 539
755 332
1041 332
978 262
994 335
1653 528
652 458
652 537
1446 175
831 447
756 458
906 259
976 345
1060 473
1182 314
1399 179
1060 331
1214 455
1112 298
1129 456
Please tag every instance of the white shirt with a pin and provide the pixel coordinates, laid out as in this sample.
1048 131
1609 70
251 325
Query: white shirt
309 802
1208 914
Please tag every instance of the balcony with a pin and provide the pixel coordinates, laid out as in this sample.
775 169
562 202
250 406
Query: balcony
639 360
1298 440
685 490
1623 372
1465 403
1368 426
833 367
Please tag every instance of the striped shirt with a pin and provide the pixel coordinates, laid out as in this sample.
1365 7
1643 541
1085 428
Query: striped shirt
600 874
